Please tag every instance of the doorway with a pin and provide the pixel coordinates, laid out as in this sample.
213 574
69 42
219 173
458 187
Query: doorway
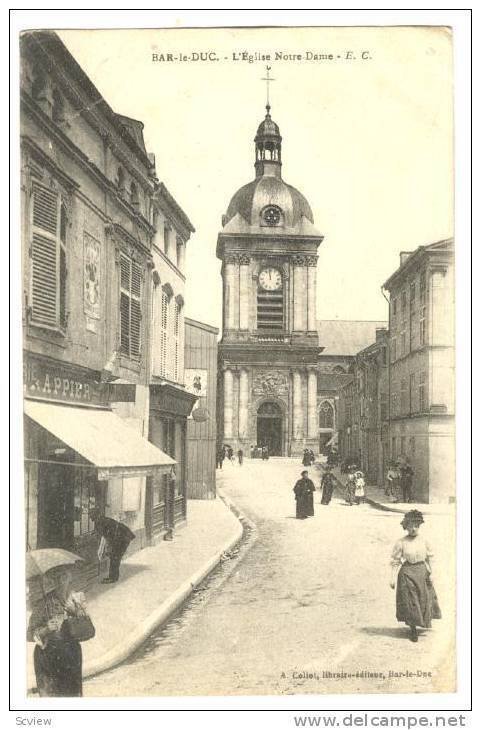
269 427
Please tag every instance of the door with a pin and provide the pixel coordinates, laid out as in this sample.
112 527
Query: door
269 428
56 506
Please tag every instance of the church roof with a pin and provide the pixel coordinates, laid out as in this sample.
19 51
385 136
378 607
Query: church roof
346 337
251 199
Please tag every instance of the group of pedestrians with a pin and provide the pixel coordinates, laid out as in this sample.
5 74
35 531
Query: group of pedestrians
399 482
227 452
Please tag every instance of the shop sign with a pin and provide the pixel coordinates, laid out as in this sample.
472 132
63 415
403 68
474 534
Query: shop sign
61 382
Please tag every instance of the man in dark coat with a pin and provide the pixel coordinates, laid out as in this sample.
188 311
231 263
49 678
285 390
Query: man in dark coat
407 473
114 541
304 490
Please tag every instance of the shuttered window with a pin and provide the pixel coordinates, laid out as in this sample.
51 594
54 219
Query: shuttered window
48 258
130 307
164 316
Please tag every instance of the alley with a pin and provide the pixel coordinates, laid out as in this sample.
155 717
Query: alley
308 601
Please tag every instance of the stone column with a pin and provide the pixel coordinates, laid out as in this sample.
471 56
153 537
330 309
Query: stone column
311 293
297 419
312 404
244 262
228 403
229 292
300 294
243 404
180 254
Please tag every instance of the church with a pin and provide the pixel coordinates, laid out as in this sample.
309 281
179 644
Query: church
279 367
268 355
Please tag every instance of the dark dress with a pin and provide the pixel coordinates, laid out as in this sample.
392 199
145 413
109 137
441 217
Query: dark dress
306 459
58 664
416 600
304 490
327 484
118 537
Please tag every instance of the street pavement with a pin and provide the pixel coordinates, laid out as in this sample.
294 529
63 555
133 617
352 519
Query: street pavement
306 608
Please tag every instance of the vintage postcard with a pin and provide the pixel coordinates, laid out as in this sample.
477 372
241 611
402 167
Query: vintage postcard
238 361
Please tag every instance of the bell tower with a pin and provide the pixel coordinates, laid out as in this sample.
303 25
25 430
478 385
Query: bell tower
269 348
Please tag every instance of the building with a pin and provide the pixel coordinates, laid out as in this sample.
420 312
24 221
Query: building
341 340
363 409
170 402
88 194
421 370
269 349
201 379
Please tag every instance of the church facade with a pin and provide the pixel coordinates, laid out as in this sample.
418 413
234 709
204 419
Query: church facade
269 351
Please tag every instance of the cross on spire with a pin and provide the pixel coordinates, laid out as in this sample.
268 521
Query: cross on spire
267 79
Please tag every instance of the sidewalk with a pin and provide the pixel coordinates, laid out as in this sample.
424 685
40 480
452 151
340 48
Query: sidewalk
154 582
376 497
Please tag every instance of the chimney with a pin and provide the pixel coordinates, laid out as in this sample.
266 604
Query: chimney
381 333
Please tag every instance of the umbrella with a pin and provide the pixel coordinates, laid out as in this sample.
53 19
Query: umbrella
39 562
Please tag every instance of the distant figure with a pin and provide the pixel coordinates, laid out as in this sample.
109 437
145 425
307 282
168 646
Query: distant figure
327 486
197 383
350 487
303 491
252 451
240 457
230 453
265 453
359 485
114 541
306 459
393 477
220 457
312 456
407 474
416 600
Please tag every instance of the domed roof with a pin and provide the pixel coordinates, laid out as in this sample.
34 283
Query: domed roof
268 128
252 198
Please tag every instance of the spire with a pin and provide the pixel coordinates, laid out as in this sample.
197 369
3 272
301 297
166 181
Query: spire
268 140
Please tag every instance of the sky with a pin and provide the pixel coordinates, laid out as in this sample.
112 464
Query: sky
368 141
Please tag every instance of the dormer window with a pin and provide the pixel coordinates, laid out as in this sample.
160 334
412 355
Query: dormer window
134 196
58 107
120 182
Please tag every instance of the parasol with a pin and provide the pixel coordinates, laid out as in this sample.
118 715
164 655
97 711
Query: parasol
38 562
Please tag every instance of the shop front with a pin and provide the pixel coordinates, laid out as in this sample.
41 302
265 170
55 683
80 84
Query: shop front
80 455
166 496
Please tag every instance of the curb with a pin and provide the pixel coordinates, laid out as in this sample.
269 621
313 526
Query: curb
162 613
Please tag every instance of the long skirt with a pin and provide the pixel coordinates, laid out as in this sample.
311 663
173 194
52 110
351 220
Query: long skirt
416 600
327 491
309 501
58 669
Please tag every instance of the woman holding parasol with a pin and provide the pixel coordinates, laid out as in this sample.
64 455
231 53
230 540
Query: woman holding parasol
57 653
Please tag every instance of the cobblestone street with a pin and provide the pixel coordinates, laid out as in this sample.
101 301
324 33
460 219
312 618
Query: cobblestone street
305 599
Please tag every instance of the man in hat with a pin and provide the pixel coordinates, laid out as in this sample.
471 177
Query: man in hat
114 541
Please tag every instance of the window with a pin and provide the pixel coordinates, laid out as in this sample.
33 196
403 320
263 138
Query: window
404 396
394 311
339 370
412 294
394 400
164 318
48 258
403 344
383 407
130 307
176 339
403 446
270 310
412 393
85 500
326 415
393 349
393 447
412 448
422 392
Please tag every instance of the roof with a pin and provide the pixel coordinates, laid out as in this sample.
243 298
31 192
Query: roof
201 325
346 337
163 194
412 259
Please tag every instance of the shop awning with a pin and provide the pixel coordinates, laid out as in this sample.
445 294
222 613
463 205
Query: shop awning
101 437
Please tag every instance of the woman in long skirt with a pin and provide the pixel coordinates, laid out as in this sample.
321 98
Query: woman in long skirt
57 658
327 486
416 600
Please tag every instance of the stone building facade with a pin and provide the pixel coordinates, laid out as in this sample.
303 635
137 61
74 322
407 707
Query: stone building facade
422 367
269 348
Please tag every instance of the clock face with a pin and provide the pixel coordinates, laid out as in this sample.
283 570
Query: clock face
271 215
270 279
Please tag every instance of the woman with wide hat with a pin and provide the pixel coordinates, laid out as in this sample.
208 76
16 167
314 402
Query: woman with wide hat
416 600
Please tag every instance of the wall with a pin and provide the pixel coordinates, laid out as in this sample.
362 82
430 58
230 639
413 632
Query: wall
201 354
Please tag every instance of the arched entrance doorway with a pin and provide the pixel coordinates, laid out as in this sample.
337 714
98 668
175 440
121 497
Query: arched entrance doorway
326 425
269 427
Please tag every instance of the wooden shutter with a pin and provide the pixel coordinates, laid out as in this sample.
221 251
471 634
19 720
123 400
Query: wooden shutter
124 305
135 310
130 307
44 253
163 333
